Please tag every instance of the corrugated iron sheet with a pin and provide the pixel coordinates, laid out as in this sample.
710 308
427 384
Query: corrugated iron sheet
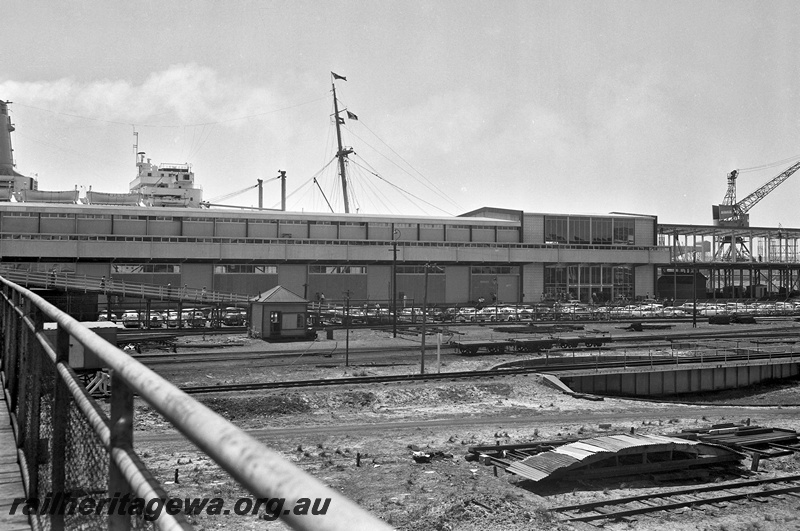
582 453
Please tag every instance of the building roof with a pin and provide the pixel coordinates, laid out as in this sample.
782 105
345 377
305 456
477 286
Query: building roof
281 295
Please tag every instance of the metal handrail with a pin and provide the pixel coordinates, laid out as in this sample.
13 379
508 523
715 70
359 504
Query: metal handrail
110 286
262 471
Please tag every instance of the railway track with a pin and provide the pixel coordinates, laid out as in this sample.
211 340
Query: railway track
718 494
377 354
492 373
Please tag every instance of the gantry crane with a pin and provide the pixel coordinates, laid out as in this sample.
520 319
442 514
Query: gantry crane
735 214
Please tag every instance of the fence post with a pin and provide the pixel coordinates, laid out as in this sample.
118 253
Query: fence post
121 426
60 421
12 357
30 405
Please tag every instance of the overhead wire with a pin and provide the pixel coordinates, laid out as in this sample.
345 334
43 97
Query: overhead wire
770 164
428 184
435 190
408 193
433 185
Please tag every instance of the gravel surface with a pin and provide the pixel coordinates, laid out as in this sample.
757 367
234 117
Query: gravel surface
323 430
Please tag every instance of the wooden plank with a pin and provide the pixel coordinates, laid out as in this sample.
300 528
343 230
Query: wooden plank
10 477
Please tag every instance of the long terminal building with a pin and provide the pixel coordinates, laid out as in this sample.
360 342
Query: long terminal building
490 254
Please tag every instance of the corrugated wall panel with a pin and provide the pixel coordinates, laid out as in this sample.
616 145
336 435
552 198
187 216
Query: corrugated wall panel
533 228
292 277
532 282
644 231
457 284
379 282
644 281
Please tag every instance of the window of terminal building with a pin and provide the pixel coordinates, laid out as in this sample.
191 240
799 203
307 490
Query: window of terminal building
419 270
579 230
42 267
337 270
602 232
254 269
494 270
555 229
624 230
405 226
127 269
590 284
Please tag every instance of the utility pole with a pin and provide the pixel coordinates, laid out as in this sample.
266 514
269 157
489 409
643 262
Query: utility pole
342 153
347 328
694 289
424 320
395 236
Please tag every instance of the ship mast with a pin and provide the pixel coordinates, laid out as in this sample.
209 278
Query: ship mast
343 152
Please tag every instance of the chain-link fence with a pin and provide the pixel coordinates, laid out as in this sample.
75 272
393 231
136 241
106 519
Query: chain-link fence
71 451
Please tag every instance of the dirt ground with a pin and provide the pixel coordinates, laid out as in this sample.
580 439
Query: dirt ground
451 493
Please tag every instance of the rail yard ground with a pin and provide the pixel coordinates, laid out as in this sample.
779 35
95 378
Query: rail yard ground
329 431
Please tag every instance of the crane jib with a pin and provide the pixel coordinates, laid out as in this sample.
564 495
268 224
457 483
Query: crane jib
732 211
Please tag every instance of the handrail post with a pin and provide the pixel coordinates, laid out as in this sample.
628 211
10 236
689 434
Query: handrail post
60 422
12 350
28 341
121 426
29 434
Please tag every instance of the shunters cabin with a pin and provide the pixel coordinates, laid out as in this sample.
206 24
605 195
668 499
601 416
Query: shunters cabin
279 315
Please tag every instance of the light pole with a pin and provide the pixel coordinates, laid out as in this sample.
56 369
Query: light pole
395 236
347 329
694 289
424 319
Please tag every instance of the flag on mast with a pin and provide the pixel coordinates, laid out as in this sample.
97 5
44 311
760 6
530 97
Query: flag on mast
351 115
337 76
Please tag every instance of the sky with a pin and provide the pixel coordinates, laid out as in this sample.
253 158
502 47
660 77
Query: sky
573 107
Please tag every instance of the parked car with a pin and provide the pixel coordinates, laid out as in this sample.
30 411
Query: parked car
233 317
131 320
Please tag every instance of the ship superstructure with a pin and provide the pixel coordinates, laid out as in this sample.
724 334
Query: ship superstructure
10 180
165 185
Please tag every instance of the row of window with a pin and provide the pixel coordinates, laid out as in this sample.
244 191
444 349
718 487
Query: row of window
127 269
337 270
586 230
494 270
192 219
588 283
223 269
414 270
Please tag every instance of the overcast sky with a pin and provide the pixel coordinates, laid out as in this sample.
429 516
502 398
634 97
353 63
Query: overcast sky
542 106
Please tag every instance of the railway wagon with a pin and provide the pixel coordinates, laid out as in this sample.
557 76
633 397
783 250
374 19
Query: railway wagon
499 346
493 346
527 344
532 344
576 341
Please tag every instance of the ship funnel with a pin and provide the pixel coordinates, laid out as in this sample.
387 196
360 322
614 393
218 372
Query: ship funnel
6 153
